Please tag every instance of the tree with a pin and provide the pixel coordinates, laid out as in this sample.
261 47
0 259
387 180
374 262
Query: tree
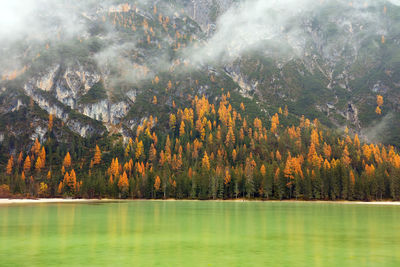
36 147
43 158
379 100
27 164
38 165
97 156
263 170
228 177
286 112
172 122
182 129
10 165
67 160
123 183
50 122
157 183
230 137
43 188
346 157
274 123
206 162
356 141
139 149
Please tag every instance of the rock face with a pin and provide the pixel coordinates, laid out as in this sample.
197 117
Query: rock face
105 111
206 12
342 66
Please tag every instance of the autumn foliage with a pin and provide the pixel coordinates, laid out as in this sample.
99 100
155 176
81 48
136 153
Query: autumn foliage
212 150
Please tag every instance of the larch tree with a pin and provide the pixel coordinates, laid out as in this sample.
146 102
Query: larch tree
67 160
10 165
157 183
182 129
123 183
206 162
139 149
27 164
172 122
50 122
97 156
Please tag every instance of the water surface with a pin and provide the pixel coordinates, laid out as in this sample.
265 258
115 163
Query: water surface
185 233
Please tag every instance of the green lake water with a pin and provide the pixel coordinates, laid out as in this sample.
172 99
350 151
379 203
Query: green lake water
190 233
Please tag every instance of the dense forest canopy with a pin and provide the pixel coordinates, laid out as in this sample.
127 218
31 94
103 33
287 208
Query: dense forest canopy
211 150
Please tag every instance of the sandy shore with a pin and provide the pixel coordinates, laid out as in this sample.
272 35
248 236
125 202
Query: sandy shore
46 200
5 201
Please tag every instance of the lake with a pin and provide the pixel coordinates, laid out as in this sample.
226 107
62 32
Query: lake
194 233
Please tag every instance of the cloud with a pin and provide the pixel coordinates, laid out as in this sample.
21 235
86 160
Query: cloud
395 2
277 27
39 19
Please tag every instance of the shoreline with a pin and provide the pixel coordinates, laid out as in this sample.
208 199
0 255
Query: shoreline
7 201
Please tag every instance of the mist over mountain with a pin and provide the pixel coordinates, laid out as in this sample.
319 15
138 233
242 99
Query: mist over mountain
96 65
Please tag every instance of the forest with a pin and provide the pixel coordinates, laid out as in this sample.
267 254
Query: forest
209 150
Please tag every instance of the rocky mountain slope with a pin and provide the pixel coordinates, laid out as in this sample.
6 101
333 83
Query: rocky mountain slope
104 78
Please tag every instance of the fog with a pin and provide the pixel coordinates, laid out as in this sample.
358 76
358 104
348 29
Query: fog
272 27
276 27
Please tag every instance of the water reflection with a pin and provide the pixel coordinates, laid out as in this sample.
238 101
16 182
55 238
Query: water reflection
147 233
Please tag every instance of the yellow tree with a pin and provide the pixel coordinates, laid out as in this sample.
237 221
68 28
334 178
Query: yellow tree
72 180
327 150
228 177
10 165
182 129
206 162
286 112
263 171
50 122
379 100
153 154
356 141
43 157
67 160
172 121
234 155
157 183
274 123
97 156
315 137
38 165
346 157
139 149
27 164
20 158
230 137
36 147
123 183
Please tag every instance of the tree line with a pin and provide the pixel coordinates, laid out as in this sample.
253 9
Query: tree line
210 151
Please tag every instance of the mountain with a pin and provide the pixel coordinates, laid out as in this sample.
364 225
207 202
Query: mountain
163 91
323 62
